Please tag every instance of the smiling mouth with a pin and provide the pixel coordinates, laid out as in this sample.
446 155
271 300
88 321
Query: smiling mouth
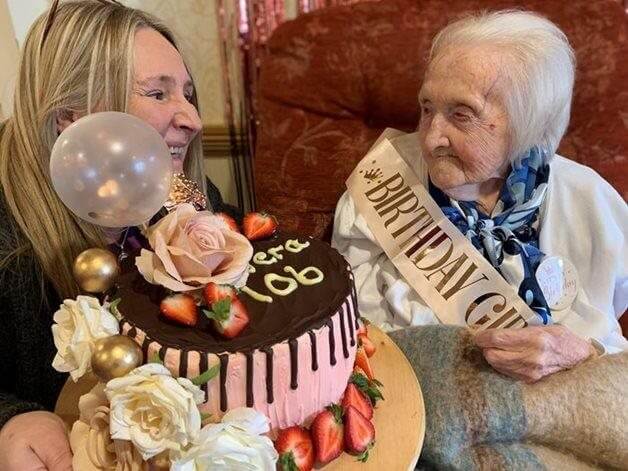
176 152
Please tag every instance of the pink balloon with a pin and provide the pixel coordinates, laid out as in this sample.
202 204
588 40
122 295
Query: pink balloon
111 169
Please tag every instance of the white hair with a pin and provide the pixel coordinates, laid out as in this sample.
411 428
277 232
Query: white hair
539 69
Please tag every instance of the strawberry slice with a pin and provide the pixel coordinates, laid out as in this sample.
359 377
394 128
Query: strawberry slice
233 225
353 397
214 292
229 315
359 433
362 361
295 448
327 434
259 226
180 308
367 343
369 387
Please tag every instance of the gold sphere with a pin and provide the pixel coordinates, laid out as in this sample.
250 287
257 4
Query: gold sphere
115 356
95 270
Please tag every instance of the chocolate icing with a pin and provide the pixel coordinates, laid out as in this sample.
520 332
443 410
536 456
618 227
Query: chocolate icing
294 363
224 363
285 319
313 347
249 379
269 375
306 308
332 342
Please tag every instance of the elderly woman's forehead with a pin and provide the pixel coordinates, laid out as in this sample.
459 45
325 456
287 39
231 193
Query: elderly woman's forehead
477 69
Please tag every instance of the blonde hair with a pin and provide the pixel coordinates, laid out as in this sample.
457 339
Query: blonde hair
84 63
540 72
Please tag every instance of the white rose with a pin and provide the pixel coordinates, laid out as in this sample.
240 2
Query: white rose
78 324
153 410
234 444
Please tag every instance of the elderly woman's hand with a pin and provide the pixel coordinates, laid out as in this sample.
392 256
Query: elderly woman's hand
534 352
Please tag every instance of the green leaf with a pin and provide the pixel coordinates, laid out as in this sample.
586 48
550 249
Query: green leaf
206 376
220 310
336 410
286 462
155 359
113 308
367 386
205 416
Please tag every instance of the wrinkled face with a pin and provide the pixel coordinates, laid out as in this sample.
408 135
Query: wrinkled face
463 129
162 91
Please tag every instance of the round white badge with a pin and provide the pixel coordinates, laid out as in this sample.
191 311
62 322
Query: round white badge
558 280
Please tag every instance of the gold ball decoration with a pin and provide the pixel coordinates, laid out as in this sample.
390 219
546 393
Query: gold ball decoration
95 270
115 356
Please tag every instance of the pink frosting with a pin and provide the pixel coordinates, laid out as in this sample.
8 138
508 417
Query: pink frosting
316 389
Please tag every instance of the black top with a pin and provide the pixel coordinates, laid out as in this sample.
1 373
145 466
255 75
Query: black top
27 380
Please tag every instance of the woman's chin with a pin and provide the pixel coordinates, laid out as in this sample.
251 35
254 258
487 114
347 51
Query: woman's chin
177 164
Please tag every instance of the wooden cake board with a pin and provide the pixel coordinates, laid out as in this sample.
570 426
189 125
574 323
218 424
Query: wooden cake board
399 419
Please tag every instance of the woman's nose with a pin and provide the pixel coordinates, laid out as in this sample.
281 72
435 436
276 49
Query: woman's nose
186 117
435 136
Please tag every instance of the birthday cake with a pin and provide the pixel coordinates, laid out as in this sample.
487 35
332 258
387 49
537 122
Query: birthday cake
295 355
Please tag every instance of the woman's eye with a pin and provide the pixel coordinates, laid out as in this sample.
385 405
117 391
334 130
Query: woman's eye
425 110
189 97
462 117
157 95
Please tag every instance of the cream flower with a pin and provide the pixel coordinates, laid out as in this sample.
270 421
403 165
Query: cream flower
194 248
92 446
234 444
78 324
153 410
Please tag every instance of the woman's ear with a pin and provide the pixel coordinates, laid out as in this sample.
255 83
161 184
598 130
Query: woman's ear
64 118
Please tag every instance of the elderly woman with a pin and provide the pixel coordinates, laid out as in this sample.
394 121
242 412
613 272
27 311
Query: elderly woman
495 103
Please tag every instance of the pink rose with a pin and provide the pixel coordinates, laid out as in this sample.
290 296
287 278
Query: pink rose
193 248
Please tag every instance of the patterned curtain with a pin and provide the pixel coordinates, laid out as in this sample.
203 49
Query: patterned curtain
244 27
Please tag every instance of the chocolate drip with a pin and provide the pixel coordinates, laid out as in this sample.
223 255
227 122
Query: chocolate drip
343 333
224 362
249 379
202 368
145 345
294 364
269 375
314 353
162 353
183 364
132 332
354 297
350 322
332 343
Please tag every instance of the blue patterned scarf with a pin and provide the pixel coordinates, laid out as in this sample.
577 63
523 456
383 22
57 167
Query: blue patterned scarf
509 238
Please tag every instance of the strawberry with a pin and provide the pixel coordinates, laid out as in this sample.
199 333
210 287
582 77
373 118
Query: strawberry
180 308
233 225
259 226
362 330
327 434
359 433
353 397
369 387
367 343
214 292
229 315
362 361
295 448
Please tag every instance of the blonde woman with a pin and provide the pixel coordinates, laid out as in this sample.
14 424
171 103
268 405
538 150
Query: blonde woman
78 58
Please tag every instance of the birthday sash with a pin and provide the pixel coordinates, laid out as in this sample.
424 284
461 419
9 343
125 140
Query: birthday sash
434 257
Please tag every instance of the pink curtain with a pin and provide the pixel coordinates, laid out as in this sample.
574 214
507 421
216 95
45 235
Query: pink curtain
245 26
